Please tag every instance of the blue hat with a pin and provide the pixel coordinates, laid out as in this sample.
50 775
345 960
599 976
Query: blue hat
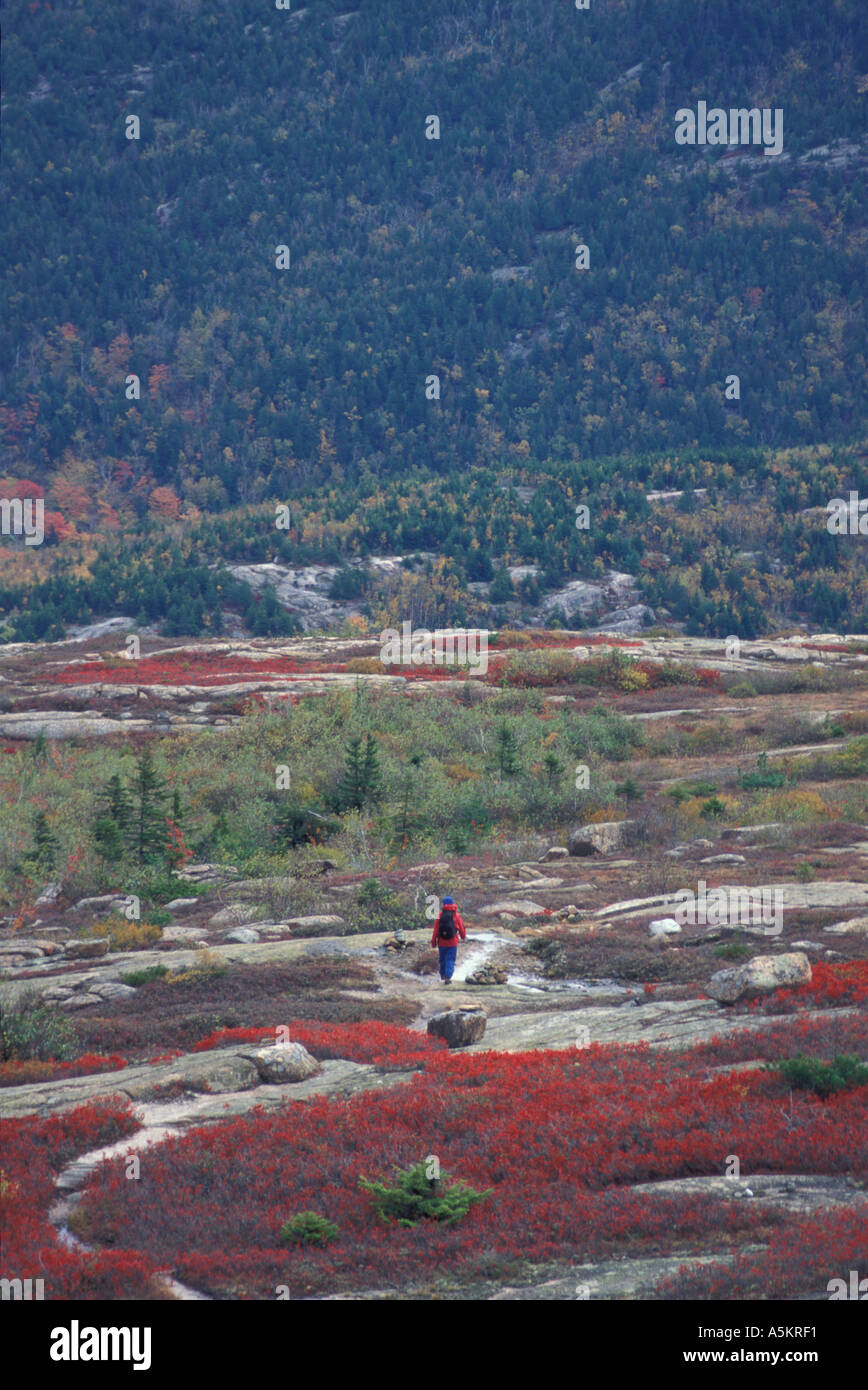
448 902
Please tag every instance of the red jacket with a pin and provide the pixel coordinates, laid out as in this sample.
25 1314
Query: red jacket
458 930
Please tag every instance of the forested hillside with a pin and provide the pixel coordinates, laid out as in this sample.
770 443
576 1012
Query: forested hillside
409 259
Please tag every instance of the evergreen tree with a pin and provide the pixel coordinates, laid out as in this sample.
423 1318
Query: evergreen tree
45 847
149 830
113 823
506 746
362 776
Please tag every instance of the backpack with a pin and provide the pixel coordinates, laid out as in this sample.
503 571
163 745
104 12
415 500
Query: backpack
446 928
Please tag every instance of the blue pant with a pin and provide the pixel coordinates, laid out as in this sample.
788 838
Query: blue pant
447 961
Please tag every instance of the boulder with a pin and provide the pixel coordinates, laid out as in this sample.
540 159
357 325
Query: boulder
112 989
761 975
86 950
235 915
110 901
49 894
181 904
556 852
284 1062
243 935
724 859
78 1001
750 832
604 838
664 926
182 936
459 1026
518 907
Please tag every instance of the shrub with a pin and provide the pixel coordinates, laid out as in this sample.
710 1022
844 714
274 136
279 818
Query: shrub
805 873
308 1228
686 791
799 806
207 966
742 690
31 1030
416 1197
712 809
823 1078
123 935
732 950
135 978
761 779
366 666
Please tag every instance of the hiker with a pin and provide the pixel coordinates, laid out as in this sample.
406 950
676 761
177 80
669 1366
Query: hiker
447 930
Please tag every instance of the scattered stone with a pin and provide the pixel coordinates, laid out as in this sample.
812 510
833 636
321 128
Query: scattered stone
570 913
459 1027
520 907
283 1062
664 926
205 873
181 936
759 976
49 894
537 884
86 950
556 852
603 838
235 915
243 935
488 975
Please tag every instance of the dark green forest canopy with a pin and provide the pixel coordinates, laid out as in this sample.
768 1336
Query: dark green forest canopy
306 128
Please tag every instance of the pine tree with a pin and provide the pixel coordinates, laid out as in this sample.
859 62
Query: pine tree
362 776
352 784
46 846
373 778
506 745
113 824
406 821
149 833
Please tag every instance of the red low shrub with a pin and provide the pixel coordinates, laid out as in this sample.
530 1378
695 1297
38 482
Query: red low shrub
559 1136
379 1044
34 1150
29 1072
